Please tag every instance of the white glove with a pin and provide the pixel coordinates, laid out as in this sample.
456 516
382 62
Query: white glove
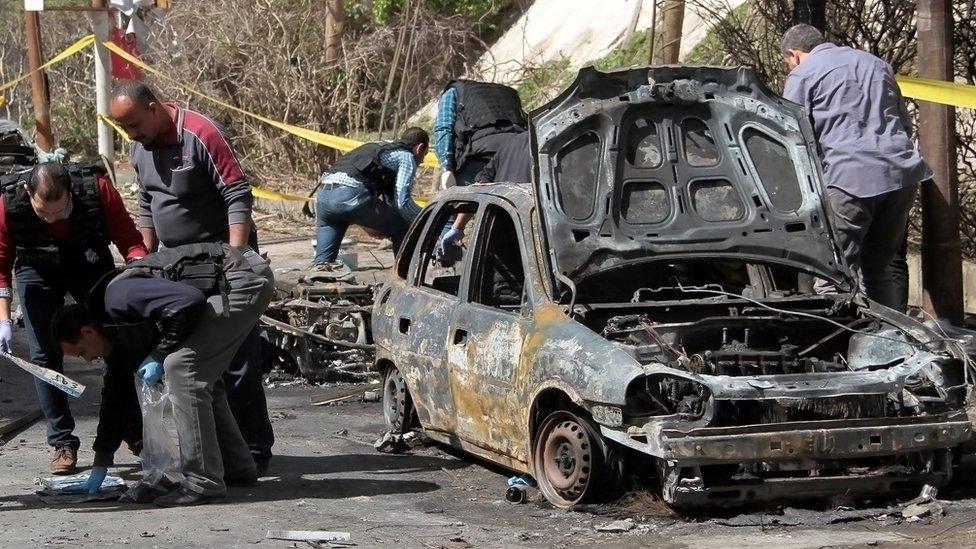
447 179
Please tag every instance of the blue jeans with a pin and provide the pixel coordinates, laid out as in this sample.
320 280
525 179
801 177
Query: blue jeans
41 293
338 206
245 395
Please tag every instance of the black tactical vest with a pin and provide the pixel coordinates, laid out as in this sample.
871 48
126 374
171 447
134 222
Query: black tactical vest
363 164
199 265
86 246
483 109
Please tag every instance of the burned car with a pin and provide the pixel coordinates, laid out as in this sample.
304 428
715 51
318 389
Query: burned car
17 150
647 303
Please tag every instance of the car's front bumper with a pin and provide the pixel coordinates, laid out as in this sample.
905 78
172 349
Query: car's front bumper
813 449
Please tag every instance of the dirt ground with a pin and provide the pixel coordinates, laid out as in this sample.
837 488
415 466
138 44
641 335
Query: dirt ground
327 476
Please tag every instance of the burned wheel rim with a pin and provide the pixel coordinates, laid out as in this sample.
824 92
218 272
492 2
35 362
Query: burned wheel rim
397 405
567 459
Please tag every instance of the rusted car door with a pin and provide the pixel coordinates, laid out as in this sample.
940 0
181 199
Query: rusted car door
486 338
423 314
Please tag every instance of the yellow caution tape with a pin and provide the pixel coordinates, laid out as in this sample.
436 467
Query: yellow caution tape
341 143
268 194
938 91
114 126
79 45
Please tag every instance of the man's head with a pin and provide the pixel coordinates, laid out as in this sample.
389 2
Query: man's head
418 140
49 188
798 41
78 335
137 110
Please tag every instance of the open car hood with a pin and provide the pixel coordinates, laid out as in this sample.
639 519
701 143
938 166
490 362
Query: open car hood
677 161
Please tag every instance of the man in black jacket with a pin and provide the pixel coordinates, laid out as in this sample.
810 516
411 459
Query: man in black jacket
188 308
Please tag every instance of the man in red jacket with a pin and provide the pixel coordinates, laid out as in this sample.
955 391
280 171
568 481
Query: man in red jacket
56 222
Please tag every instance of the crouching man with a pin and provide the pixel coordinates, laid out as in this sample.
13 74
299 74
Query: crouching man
189 308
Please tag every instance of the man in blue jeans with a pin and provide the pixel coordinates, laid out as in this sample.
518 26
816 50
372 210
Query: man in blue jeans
56 223
370 186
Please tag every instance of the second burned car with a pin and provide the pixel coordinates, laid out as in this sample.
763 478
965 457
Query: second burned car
649 304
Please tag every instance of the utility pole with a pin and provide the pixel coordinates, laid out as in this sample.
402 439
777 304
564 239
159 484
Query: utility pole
674 17
941 255
101 23
335 21
39 92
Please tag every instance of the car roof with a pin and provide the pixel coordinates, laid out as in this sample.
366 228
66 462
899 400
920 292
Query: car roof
518 194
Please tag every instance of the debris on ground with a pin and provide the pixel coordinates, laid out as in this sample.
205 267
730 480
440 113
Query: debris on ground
518 488
341 393
307 535
71 489
616 527
391 443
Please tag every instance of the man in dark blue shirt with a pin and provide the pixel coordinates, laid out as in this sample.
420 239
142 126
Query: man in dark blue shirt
871 166
189 309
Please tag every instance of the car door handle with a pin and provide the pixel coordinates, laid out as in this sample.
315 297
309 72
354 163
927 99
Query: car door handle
460 336
404 325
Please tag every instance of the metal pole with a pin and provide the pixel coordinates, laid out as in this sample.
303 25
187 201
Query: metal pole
39 94
674 17
941 256
101 23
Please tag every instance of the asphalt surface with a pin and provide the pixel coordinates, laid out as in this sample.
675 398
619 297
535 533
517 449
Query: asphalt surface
327 476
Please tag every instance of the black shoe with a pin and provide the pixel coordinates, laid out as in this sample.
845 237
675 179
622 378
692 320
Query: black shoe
184 498
246 480
262 465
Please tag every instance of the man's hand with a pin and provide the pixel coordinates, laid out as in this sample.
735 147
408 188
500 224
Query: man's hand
6 335
150 371
450 237
95 479
447 179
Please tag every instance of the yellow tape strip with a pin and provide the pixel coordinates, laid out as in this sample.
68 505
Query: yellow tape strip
341 143
938 91
79 45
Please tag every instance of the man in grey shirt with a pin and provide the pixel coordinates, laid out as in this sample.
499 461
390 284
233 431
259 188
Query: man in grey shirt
871 166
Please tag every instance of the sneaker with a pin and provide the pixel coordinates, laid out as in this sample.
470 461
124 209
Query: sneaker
65 461
328 272
184 497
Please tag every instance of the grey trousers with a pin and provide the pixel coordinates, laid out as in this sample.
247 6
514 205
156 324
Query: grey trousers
210 441
870 233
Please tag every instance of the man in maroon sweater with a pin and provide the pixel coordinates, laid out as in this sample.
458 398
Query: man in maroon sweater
56 222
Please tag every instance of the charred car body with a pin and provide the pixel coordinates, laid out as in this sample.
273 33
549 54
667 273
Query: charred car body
651 297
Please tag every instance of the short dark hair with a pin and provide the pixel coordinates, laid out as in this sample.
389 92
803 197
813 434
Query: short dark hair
49 181
68 322
801 37
136 91
414 135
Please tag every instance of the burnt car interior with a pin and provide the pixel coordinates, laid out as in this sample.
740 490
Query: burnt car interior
439 270
499 278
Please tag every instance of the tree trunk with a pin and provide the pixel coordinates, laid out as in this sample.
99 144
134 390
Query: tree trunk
335 21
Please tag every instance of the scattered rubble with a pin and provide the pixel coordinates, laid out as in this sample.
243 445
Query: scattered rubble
391 443
617 526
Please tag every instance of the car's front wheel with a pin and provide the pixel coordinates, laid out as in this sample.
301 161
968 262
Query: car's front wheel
573 464
397 404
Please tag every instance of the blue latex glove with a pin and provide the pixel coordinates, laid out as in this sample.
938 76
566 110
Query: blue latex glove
95 479
150 371
450 237
6 334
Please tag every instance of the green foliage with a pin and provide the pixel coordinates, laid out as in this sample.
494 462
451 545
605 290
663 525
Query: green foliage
384 11
544 82
635 52
711 50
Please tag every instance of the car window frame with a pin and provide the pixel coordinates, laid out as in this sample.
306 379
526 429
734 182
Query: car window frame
431 234
478 239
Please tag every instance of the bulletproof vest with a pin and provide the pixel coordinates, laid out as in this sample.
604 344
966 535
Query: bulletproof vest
199 265
363 164
137 337
86 245
483 109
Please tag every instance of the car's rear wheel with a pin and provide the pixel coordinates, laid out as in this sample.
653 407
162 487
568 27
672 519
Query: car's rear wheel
573 464
397 404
